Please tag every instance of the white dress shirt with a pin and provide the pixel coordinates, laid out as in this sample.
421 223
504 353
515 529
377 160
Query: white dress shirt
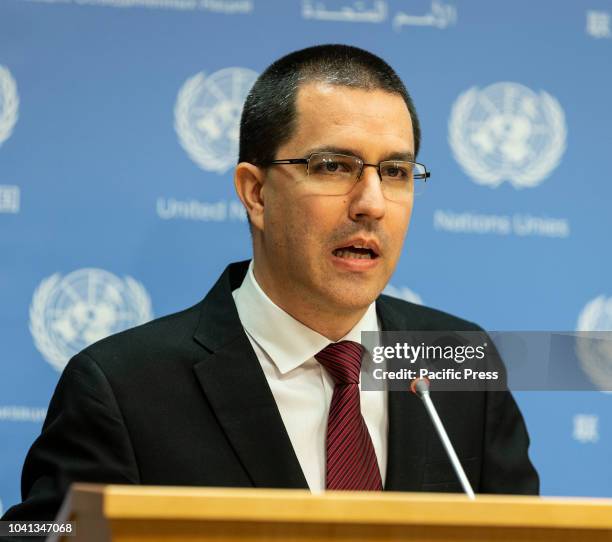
301 387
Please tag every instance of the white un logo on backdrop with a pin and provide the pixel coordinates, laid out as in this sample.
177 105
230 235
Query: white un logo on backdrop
207 116
507 132
67 314
402 292
596 355
9 104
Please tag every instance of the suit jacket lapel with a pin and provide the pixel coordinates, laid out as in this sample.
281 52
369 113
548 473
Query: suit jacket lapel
408 423
238 392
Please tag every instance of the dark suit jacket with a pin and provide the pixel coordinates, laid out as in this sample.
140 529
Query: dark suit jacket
182 400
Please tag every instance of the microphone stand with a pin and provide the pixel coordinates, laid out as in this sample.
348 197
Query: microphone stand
420 386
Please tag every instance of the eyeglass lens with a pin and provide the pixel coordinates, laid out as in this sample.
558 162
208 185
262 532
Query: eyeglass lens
336 174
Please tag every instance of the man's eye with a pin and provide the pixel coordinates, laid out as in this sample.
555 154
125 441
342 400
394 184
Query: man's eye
396 172
336 167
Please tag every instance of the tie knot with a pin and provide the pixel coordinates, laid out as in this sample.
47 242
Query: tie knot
342 361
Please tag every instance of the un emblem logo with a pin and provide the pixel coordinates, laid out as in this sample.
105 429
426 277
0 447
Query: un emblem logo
207 116
507 132
403 293
595 349
9 104
67 314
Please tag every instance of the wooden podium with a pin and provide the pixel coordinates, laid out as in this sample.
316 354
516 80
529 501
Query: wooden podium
139 513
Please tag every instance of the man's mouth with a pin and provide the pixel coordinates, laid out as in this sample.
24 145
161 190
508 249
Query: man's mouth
355 252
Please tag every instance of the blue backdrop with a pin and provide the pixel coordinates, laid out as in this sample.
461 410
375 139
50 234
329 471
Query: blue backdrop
118 130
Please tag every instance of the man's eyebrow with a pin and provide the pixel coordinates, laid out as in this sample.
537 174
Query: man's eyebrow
398 155
334 149
405 156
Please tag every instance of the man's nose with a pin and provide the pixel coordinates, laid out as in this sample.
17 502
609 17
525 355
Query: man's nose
368 200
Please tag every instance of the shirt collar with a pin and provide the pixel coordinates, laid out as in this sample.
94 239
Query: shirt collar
288 342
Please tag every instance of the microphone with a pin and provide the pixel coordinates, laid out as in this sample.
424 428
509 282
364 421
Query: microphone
420 386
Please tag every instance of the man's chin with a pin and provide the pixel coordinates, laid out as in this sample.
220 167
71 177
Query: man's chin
358 285
353 297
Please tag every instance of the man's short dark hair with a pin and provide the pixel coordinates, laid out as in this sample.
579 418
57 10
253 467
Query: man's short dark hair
269 114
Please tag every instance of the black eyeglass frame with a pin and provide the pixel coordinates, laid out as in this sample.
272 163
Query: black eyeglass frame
422 176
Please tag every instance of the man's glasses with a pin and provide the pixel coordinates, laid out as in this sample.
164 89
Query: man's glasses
334 174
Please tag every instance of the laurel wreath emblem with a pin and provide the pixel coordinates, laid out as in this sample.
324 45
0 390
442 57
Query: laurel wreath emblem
594 348
10 104
52 350
402 292
528 177
184 130
207 158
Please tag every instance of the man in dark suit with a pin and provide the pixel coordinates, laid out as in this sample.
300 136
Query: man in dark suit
248 387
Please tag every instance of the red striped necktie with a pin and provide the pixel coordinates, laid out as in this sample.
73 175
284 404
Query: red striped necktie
351 460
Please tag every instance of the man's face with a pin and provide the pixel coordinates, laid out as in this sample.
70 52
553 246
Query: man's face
303 231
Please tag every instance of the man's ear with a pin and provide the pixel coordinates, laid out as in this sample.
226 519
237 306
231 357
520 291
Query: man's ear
248 181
